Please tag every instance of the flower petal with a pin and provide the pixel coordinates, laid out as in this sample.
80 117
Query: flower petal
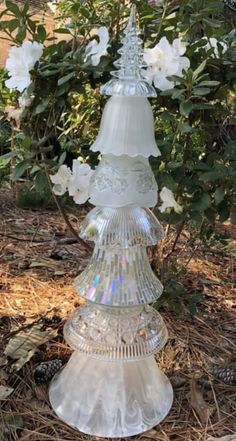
80 197
179 46
169 201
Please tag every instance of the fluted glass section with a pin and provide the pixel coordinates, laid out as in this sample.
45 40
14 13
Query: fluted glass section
119 277
121 227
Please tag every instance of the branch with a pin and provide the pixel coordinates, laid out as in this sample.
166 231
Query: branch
66 219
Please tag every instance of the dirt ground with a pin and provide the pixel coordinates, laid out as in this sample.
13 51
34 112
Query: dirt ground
37 269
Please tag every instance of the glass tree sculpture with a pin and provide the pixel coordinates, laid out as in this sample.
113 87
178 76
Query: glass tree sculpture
111 386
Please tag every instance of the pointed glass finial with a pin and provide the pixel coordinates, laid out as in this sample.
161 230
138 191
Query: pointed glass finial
129 79
132 18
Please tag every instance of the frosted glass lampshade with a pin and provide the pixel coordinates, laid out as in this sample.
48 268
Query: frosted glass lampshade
111 399
121 181
122 227
127 127
119 277
114 333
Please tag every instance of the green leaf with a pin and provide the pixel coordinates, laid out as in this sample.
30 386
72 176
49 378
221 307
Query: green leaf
202 106
168 181
63 89
213 175
8 155
210 214
185 108
34 169
42 33
215 24
13 24
62 31
66 78
174 165
12 7
224 212
202 203
41 182
209 83
184 128
32 25
219 195
19 170
178 93
21 34
199 70
27 142
62 158
201 91
42 106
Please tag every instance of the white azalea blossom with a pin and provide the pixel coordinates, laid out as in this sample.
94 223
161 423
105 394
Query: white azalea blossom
168 201
96 50
61 180
212 43
20 62
76 182
164 60
79 183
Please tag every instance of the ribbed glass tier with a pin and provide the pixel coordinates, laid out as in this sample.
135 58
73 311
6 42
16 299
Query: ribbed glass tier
114 333
119 181
119 277
121 227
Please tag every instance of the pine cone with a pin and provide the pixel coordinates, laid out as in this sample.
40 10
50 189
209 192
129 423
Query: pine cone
45 371
224 373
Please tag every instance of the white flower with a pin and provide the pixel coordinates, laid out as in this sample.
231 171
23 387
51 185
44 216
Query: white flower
61 180
212 43
79 183
164 60
168 201
97 50
24 100
20 62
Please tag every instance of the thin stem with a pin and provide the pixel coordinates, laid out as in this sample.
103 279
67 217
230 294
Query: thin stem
66 219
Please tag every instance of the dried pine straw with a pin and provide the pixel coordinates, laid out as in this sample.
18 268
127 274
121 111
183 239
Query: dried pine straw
30 292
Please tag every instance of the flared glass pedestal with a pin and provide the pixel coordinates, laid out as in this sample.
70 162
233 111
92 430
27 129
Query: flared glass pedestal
111 399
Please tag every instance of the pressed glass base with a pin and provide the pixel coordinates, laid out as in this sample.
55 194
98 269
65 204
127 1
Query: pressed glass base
111 399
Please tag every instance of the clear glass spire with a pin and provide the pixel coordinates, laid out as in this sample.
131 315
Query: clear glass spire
129 80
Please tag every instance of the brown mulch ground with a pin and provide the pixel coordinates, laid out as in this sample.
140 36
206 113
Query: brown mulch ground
37 269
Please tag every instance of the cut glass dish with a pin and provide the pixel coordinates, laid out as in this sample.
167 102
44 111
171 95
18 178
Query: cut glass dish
116 334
